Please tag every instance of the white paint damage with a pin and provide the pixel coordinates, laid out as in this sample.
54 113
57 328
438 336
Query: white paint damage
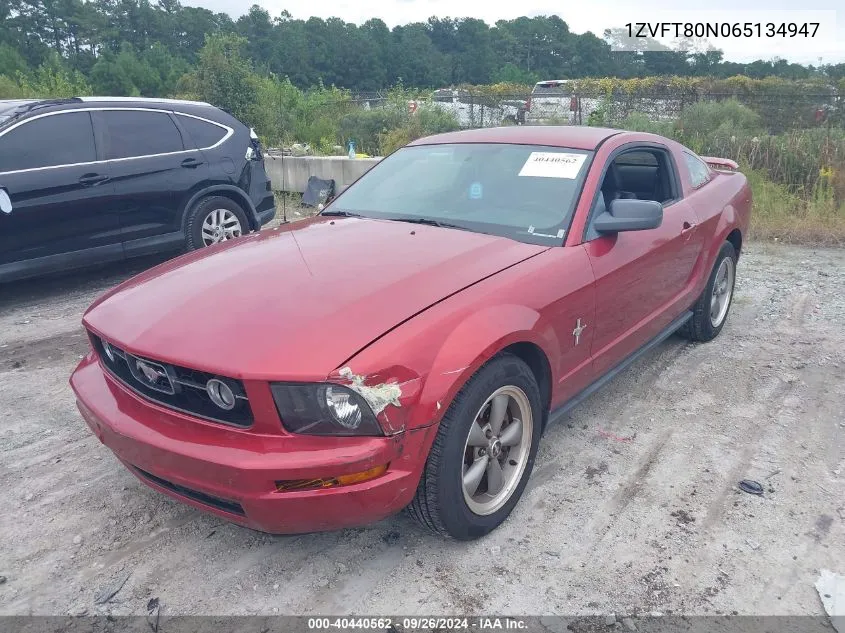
377 396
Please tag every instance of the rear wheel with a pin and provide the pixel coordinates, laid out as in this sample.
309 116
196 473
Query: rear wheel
215 219
711 310
483 453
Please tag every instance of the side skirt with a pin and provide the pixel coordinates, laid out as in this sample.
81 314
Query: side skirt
573 402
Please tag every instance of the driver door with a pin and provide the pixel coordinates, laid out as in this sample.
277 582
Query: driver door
643 278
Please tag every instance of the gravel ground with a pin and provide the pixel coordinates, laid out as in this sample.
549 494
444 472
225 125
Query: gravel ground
632 506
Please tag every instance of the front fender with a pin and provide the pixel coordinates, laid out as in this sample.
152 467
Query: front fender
439 356
474 342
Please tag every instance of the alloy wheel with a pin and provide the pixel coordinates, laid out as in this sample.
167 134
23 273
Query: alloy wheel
497 449
723 286
220 225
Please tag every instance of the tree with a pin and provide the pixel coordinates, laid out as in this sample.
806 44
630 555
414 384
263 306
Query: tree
224 76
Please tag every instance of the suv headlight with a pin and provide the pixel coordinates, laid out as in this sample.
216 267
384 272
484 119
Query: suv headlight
323 409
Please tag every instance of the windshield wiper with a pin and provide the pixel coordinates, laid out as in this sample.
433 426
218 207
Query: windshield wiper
430 222
345 214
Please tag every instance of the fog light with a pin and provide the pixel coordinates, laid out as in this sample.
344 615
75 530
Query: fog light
331 482
221 394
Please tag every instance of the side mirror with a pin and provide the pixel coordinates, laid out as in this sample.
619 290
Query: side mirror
5 202
629 215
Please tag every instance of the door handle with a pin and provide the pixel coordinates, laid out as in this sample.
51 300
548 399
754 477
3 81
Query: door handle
687 228
191 162
89 180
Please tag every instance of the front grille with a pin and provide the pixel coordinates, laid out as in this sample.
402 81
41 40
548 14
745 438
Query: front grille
175 387
215 502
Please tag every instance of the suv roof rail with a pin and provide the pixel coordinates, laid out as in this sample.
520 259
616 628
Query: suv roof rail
143 100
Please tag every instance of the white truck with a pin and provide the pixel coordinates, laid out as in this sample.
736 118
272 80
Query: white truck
478 111
557 102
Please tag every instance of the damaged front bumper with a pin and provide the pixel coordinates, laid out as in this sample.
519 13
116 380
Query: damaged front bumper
236 473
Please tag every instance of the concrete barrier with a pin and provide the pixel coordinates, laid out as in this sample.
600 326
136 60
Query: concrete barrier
291 173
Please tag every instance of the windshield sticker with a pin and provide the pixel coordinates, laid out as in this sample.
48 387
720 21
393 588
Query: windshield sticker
553 165
559 235
475 191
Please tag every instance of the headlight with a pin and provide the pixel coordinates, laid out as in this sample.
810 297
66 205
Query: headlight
323 409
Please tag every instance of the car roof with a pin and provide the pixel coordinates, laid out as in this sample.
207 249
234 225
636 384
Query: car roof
13 111
572 136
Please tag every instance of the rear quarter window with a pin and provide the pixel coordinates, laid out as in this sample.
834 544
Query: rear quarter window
204 134
699 172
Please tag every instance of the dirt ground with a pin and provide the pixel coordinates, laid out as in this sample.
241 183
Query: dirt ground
632 507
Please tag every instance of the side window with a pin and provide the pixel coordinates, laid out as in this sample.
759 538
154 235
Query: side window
642 174
637 158
698 170
35 143
639 174
203 133
132 133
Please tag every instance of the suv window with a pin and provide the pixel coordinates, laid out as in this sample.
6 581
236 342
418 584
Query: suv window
35 143
699 172
203 133
551 88
132 133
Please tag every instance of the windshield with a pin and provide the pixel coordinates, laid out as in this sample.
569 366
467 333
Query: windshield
523 192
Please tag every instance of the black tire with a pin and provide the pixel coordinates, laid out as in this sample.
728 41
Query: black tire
439 503
201 210
700 327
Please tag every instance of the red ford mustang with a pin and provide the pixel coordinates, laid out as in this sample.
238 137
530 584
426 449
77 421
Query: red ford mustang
407 347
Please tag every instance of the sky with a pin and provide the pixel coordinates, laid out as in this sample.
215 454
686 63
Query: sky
595 16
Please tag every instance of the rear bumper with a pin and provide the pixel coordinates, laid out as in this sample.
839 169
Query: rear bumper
265 216
232 473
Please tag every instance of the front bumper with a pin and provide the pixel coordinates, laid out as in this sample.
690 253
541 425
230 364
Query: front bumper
232 472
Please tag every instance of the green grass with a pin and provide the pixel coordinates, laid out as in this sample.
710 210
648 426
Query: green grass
779 215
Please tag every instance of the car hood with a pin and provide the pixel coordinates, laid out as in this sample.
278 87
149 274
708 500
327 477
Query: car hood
296 302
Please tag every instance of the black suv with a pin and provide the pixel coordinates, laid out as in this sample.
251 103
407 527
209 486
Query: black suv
95 179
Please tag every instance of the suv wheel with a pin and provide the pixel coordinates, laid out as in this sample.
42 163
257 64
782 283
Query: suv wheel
215 219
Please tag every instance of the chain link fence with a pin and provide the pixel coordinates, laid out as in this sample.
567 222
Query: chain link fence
778 113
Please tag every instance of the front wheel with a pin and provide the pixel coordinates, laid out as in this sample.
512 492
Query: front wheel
483 453
711 309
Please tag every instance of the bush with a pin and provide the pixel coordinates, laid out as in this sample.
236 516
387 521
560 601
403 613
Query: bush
9 88
425 122
708 118
366 127
639 122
